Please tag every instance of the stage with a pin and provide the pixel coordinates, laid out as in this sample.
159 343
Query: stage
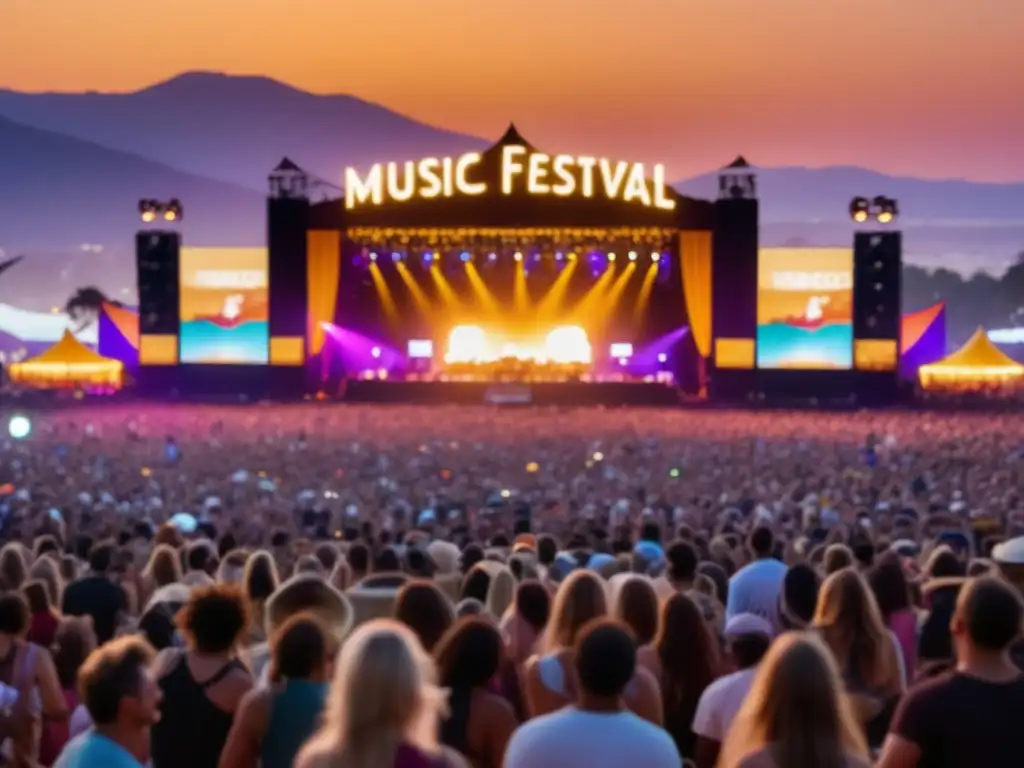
566 394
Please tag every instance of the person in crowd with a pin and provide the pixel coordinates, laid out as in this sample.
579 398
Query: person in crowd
98 594
681 575
599 729
522 627
889 585
259 581
796 715
162 569
29 685
74 641
47 570
970 716
123 701
836 558
479 722
422 607
384 708
273 722
868 654
45 618
200 564
13 569
683 659
547 677
748 637
799 597
500 592
204 683
756 587
636 606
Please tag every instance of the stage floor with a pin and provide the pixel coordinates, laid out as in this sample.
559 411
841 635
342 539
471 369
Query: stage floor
475 393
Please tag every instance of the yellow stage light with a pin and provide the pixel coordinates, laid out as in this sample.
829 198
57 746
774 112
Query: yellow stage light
568 344
532 467
655 256
466 344
611 257
632 255
518 256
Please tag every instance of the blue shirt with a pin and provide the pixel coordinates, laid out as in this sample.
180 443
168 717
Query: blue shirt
93 750
756 589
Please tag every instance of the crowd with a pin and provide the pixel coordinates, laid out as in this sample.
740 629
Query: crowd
324 585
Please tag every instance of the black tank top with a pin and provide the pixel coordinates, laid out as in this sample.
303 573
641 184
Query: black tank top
192 730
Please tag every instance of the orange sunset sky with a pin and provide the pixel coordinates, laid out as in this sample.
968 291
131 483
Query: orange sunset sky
932 88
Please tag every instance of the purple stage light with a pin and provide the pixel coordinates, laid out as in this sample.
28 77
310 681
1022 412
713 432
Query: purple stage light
361 353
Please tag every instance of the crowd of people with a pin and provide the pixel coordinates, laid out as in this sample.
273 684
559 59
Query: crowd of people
325 585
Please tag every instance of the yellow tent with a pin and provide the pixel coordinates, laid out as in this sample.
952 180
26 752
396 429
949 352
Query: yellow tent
979 361
68 363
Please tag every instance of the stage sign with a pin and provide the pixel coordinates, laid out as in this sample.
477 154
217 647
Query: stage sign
224 306
805 308
536 172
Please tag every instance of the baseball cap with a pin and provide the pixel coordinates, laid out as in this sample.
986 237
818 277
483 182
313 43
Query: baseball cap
748 624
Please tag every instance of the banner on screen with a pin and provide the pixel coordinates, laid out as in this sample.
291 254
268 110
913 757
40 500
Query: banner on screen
224 306
805 308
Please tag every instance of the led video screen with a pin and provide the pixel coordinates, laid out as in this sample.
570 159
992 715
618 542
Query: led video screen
805 308
224 306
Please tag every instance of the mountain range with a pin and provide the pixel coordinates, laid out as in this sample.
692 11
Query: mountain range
73 167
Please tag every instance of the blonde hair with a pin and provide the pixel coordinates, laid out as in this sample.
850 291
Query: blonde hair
384 694
580 598
164 566
46 570
796 710
13 569
850 623
501 592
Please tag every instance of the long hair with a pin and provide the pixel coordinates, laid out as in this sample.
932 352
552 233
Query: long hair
164 566
468 657
46 570
796 709
424 608
500 592
580 598
689 661
13 571
636 606
889 585
851 625
383 695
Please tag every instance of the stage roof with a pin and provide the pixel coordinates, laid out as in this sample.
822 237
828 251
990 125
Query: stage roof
519 209
977 361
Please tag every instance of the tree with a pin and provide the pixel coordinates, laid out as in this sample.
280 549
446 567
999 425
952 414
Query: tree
85 304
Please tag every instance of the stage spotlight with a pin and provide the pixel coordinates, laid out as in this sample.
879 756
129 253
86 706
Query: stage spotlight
492 257
632 255
466 344
885 209
558 256
621 350
611 256
373 257
572 257
655 257
465 256
173 211
396 257
518 256
568 344
662 358
860 209
147 210
19 427
428 257
375 353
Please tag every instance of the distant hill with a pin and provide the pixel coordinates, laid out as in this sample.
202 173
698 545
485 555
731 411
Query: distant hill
823 194
57 192
236 128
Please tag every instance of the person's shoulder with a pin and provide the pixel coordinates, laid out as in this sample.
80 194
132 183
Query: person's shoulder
718 687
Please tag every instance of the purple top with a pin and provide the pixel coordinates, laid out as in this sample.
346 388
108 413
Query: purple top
409 756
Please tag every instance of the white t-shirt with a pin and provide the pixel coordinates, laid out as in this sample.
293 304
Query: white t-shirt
756 588
720 702
571 738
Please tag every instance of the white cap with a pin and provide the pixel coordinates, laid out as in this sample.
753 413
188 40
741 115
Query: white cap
1009 552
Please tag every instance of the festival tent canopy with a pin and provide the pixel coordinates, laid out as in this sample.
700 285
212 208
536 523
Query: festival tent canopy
67 363
979 361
